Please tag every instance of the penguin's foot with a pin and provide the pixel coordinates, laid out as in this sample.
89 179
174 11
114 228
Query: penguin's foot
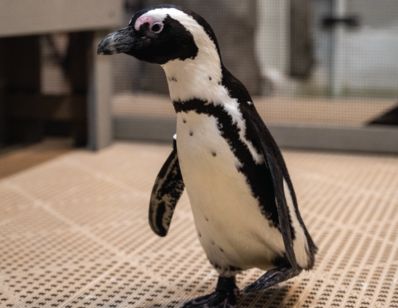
271 278
214 300
224 296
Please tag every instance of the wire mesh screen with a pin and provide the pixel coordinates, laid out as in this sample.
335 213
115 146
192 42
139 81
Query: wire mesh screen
74 230
319 62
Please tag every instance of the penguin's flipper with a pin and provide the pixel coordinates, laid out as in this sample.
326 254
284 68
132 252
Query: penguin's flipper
278 171
166 192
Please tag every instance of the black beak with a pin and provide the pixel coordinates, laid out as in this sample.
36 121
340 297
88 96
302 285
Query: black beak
121 41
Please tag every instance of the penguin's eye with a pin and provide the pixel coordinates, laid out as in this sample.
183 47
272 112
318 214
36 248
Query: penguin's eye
157 27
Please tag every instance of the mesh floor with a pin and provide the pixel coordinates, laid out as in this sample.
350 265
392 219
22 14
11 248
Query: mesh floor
74 233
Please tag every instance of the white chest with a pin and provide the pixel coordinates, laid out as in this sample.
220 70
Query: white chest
226 214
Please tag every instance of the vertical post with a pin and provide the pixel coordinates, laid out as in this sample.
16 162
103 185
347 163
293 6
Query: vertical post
273 37
77 65
2 96
99 97
336 77
22 70
301 53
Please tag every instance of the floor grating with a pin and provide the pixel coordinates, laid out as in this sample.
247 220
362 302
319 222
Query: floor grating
74 233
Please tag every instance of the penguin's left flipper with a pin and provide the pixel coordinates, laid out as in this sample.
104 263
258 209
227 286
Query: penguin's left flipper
166 192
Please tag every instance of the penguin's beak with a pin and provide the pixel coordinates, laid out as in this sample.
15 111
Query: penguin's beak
121 41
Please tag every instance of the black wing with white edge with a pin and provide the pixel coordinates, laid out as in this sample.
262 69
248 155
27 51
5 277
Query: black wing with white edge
166 192
277 168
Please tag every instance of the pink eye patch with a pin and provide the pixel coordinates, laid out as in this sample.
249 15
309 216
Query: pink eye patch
145 19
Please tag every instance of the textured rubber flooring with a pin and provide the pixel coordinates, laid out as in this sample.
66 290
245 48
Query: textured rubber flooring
17 159
74 233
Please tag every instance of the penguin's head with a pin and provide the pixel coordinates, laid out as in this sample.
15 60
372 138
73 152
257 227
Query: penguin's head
162 34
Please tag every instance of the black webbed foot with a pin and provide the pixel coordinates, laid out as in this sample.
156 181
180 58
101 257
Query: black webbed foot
213 300
224 296
272 277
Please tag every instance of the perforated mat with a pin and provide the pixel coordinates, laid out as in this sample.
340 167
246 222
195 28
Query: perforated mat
74 233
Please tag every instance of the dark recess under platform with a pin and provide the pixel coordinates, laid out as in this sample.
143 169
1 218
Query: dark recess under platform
388 118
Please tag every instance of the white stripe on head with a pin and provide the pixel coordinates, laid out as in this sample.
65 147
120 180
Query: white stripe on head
193 75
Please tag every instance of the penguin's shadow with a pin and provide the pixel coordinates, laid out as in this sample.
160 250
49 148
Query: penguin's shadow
273 297
171 304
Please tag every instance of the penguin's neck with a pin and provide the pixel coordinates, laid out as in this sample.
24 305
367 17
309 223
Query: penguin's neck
198 78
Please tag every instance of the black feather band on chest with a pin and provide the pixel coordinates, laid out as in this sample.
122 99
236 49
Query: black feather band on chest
257 175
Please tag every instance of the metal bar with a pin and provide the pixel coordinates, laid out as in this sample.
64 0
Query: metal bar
99 98
26 17
380 139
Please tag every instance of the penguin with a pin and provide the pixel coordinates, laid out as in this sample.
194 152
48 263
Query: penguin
242 198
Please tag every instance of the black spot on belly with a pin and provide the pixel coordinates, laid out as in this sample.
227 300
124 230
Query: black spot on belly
191 133
210 78
173 79
222 250
214 154
207 219
234 268
184 121
228 269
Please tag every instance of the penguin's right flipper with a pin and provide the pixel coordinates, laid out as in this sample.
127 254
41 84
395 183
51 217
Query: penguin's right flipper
166 192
